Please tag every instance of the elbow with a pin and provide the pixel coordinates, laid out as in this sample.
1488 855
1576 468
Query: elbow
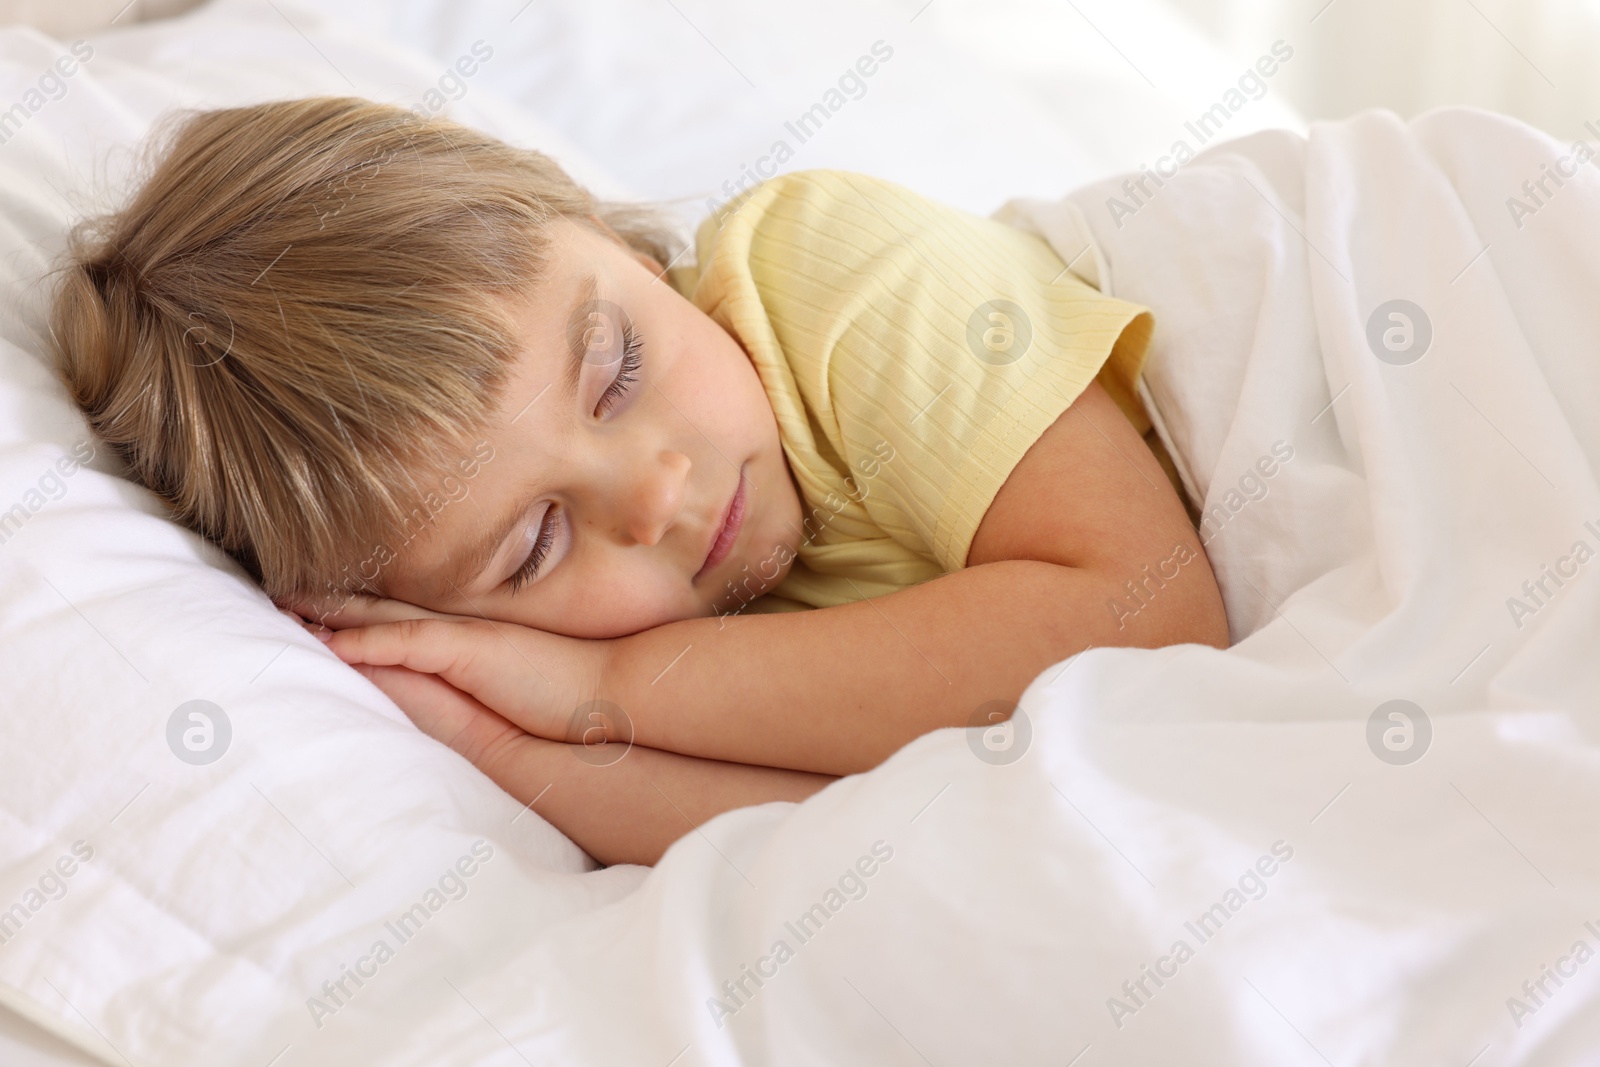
1175 601
1204 622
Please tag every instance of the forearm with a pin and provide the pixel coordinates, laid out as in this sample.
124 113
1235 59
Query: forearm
630 811
839 689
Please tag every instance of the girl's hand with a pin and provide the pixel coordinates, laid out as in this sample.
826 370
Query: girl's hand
358 609
450 717
618 811
543 682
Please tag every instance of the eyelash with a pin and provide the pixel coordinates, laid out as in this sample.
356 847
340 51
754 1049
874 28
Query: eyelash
631 343
631 360
530 566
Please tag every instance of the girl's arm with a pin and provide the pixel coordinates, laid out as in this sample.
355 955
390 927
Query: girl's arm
619 804
839 689
1085 545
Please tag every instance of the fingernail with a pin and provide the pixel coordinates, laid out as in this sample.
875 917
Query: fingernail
324 635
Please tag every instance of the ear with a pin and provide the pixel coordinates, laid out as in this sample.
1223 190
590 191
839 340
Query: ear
647 261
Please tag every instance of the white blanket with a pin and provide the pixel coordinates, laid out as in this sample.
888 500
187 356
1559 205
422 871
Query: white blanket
1309 888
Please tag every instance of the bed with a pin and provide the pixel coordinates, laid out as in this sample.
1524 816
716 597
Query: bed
1359 821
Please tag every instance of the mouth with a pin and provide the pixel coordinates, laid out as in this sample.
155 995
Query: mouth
727 531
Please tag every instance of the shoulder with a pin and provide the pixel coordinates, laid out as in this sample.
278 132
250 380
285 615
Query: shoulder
816 187
843 214
826 234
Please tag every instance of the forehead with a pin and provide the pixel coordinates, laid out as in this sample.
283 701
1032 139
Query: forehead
578 262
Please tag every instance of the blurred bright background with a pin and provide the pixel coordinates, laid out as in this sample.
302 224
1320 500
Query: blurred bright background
1046 93
1535 59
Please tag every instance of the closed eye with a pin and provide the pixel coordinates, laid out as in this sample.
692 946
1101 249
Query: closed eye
541 548
626 375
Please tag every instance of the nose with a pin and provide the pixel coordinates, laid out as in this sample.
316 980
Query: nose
656 498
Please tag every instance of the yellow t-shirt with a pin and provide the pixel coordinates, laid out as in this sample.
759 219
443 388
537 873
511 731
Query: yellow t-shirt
912 353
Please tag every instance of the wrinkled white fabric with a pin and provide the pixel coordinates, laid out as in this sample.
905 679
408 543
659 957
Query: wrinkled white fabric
1416 898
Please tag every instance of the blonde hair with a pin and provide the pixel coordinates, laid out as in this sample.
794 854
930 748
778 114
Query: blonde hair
295 328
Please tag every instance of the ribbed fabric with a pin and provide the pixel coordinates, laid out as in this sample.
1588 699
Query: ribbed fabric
903 397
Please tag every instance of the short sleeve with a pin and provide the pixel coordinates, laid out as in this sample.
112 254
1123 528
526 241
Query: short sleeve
913 353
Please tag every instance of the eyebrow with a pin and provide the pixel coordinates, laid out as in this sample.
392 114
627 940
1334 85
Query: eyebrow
471 562
588 293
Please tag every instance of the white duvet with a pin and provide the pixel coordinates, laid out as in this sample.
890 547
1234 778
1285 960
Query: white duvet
1240 857
1185 855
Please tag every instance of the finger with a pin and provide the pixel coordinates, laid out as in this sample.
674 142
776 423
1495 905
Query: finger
303 607
428 645
473 656
322 633
456 651
446 714
436 707
363 610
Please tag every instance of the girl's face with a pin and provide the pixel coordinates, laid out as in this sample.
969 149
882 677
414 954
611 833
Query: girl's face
629 424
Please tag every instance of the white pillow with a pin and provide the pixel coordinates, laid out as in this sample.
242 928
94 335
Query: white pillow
252 877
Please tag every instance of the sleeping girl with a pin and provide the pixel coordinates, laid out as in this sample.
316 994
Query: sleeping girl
643 540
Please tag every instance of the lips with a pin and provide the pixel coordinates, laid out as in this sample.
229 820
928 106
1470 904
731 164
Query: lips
728 530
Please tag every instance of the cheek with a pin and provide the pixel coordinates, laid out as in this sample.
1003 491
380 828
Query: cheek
611 598
721 384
